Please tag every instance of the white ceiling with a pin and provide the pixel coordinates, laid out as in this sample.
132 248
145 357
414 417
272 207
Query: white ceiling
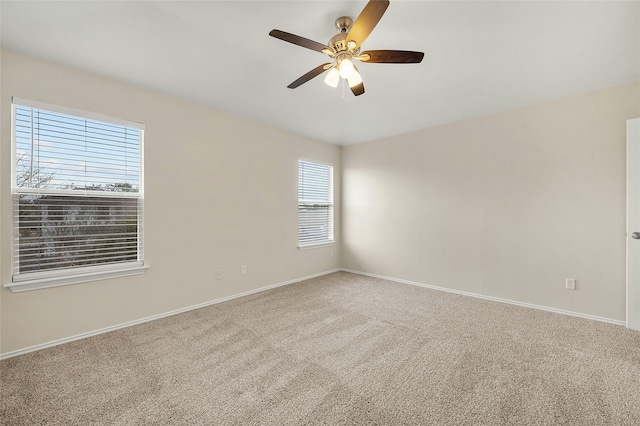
480 57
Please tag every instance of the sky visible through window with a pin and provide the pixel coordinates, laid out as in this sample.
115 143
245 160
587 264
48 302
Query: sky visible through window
60 151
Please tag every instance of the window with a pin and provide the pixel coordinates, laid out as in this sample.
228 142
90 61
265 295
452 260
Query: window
315 203
77 190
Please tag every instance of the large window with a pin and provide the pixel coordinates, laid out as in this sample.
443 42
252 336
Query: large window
315 203
77 196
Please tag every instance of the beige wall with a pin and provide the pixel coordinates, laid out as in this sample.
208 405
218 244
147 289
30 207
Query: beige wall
507 205
220 191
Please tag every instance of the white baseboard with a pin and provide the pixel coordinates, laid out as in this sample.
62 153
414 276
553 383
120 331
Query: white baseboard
494 299
269 287
155 317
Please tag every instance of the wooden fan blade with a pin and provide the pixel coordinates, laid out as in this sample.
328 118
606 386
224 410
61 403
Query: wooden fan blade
311 74
393 56
367 20
357 89
299 41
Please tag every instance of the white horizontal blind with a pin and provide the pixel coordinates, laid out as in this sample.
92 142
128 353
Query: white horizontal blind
77 192
315 203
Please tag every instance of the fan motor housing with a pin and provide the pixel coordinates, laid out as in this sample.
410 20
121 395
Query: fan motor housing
339 42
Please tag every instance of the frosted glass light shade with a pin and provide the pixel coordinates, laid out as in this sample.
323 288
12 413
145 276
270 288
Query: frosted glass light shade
332 78
346 68
355 79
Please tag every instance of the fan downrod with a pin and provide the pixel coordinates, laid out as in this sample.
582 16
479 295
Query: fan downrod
338 42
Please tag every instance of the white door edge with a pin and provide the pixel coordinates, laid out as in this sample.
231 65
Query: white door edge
633 223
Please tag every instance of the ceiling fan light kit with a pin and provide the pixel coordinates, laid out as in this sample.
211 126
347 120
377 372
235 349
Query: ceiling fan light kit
344 48
345 66
333 77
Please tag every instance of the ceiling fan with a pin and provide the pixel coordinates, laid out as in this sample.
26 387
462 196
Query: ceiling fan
344 48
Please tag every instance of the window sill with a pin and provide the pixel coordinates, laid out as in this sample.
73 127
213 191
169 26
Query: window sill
40 283
317 245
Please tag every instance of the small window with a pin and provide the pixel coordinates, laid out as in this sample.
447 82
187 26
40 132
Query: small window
315 203
77 190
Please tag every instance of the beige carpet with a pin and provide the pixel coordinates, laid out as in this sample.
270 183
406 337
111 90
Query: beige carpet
339 349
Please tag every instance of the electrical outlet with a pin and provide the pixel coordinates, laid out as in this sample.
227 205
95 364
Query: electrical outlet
570 283
218 274
243 270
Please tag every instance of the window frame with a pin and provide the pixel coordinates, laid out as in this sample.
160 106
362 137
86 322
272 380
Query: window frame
331 239
64 276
